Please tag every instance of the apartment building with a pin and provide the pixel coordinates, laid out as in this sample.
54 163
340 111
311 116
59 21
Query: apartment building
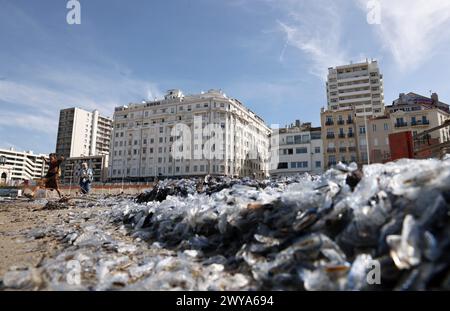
299 150
358 85
98 164
83 133
376 142
417 113
21 166
192 135
339 136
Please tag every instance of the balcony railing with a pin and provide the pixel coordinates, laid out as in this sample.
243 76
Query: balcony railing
402 124
341 122
329 122
351 149
330 136
331 150
420 122
341 135
350 135
349 121
342 149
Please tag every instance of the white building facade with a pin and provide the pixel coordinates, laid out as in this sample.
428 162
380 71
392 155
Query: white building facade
83 133
358 85
194 135
300 150
21 166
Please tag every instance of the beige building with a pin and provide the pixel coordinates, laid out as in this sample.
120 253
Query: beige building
22 166
193 135
416 113
339 136
358 85
98 164
300 150
348 138
83 133
372 136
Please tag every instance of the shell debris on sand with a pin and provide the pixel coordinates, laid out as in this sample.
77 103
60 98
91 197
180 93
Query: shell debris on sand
293 233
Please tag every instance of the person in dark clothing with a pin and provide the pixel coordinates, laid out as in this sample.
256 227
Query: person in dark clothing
51 179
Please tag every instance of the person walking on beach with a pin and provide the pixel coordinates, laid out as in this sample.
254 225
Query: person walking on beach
86 178
51 179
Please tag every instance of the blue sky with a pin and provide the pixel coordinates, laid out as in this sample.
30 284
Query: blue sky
270 54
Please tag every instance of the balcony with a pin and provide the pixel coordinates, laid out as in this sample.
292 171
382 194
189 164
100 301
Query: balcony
352 149
420 122
350 135
330 164
341 135
349 121
331 150
330 136
329 122
401 124
342 149
341 122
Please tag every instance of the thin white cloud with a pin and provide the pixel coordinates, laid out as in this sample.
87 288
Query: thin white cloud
38 123
412 31
41 99
315 29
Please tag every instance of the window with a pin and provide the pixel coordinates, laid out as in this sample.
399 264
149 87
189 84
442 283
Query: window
374 127
318 164
195 168
301 150
187 169
299 164
288 151
282 165
160 139
317 150
386 127
362 130
290 140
